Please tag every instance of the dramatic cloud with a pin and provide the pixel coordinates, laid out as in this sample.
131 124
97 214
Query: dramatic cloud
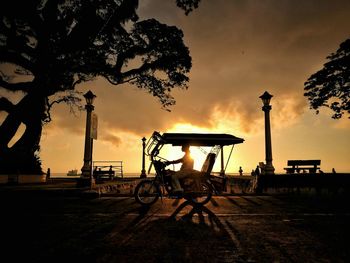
239 50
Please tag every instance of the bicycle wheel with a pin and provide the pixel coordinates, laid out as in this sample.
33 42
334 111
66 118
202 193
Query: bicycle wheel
147 192
203 196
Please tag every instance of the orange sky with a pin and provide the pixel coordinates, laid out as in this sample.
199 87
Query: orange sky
239 50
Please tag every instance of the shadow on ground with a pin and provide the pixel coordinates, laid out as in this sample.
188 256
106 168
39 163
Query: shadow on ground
197 236
284 228
56 230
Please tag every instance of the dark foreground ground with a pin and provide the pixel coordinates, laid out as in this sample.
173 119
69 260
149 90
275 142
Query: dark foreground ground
62 227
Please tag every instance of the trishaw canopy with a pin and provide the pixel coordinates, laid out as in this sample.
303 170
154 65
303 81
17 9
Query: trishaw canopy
200 139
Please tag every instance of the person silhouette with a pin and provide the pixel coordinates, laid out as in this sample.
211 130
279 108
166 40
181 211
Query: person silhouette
48 174
94 173
110 172
240 170
333 171
257 170
185 170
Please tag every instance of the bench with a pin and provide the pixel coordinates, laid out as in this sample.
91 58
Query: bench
296 166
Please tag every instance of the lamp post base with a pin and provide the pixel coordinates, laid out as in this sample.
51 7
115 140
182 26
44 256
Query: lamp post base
86 182
143 174
269 169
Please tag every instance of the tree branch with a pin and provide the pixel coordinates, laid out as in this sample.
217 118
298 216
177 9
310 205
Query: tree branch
16 42
6 105
136 71
127 76
19 86
70 99
17 59
129 54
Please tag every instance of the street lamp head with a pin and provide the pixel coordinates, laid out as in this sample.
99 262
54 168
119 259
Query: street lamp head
266 97
89 96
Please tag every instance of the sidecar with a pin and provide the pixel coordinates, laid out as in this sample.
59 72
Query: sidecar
216 143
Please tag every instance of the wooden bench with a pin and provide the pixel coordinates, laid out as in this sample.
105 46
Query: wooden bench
296 166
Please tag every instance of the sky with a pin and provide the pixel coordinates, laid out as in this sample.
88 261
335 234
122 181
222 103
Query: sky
239 50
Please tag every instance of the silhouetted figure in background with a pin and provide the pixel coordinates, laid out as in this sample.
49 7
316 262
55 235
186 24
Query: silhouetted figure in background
240 170
252 173
257 170
185 170
110 172
333 171
48 174
94 173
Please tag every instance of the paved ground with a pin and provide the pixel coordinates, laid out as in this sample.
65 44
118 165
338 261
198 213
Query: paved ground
236 228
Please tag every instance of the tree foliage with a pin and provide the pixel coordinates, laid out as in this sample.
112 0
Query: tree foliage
188 6
330 87
56 44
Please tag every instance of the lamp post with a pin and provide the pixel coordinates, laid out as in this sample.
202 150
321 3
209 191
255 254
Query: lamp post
266 97
143 171
86 170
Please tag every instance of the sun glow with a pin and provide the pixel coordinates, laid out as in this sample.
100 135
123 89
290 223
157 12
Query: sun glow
197 153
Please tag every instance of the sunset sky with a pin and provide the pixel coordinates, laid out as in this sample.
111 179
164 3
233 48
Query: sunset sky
239 48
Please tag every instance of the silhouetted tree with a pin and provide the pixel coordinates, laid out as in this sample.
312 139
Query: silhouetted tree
330 87
54 45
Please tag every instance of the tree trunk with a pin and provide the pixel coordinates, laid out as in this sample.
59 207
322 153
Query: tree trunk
22 157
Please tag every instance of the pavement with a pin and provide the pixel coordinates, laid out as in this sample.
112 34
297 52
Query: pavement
69 187
57 223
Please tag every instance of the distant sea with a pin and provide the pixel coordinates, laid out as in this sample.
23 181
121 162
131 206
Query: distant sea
127 175
64 175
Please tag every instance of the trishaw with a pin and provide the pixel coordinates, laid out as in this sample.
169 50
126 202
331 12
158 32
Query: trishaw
148 191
